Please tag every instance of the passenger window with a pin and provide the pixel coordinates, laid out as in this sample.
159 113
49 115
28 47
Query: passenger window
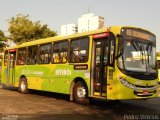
44 54
32 55
60 52
79 50
5 58
21 56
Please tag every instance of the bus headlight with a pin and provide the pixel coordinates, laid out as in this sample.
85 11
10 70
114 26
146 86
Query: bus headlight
126 83
155 87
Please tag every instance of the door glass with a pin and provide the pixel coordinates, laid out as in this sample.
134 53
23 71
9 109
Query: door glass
97 67
101 61
11 60
11 69
104 66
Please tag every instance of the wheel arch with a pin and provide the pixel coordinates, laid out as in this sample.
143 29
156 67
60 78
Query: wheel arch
75 80
22 76
23 80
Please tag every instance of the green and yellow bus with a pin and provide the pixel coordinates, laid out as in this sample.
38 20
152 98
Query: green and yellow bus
114 63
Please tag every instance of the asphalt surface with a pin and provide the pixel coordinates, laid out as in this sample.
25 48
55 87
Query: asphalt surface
38 105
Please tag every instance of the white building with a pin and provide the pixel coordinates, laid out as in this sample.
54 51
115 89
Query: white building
68 29
89 22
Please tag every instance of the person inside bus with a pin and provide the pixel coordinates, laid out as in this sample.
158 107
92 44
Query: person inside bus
76 56
41 58
63 56
56 58
21 60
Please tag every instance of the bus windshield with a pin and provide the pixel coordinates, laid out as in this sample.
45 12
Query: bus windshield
137 57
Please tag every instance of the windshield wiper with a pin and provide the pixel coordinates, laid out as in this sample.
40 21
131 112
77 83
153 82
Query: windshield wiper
149 50
139 49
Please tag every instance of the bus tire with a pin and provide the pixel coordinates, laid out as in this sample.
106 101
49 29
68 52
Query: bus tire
80 93
23 86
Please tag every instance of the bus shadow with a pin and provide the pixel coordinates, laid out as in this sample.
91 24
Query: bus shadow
10 88
50 94
128 107
39 93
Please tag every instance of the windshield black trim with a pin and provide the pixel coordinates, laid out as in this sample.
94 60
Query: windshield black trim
140 75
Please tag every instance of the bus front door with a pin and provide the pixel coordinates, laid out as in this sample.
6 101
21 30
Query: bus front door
100 62
11 68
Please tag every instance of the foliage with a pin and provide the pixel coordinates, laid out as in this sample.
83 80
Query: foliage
3 38
22 29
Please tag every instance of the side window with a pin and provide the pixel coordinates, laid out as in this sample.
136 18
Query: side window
44 54
79 50
21 56
5 58
1 56
32 55
60 52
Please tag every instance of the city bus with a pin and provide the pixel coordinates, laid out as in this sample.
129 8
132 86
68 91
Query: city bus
112 63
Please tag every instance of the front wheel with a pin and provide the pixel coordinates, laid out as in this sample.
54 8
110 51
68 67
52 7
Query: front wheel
23 86
80 93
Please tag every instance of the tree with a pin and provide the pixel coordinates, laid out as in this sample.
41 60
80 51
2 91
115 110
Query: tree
3 38
23 30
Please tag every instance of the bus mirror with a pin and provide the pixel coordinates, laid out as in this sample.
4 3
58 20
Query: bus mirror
120 53
119 36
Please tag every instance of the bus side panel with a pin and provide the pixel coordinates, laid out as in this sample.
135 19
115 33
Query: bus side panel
64 75
50 77
34 74
4 75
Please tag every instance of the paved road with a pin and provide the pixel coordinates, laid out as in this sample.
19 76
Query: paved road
45 106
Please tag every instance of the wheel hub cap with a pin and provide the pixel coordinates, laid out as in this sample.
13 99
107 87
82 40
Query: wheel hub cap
81 92
23 86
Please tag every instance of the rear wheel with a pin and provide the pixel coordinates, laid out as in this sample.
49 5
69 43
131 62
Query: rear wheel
80 93
23 86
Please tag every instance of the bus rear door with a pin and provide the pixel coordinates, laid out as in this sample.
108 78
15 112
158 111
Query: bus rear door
11 68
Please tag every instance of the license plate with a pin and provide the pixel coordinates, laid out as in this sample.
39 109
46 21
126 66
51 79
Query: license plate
145 92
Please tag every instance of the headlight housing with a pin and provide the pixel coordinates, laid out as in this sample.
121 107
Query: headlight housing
126 83
131 86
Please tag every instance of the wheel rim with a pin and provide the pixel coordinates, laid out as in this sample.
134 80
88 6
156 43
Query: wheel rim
23 86
81 92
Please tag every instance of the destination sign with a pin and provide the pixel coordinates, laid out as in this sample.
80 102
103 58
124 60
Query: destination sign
137 33
101 35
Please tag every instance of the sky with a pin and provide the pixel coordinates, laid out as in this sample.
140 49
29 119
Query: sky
54 13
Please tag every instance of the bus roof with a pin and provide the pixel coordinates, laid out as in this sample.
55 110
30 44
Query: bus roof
116 30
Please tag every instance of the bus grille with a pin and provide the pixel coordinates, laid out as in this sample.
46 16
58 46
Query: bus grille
143 86
140 94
